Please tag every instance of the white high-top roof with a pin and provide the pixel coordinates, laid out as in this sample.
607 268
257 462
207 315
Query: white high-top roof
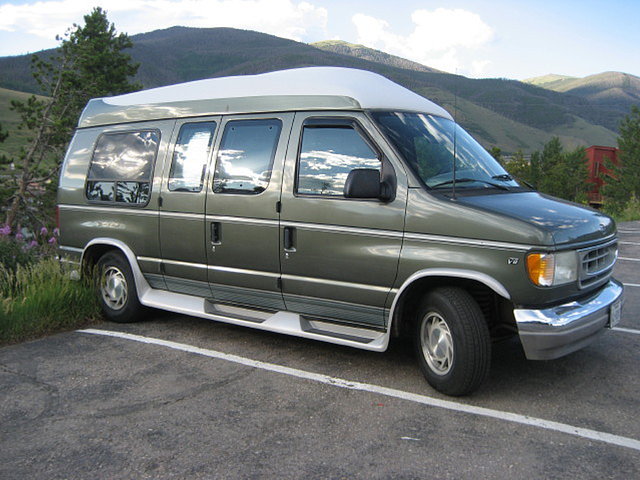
296 89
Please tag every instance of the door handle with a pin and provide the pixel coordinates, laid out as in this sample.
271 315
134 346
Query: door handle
216 233
289 239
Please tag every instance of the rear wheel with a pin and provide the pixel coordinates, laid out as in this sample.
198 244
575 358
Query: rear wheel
452 341
117 290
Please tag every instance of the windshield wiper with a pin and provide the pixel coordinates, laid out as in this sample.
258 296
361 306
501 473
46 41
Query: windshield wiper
506 177
467 180
503 176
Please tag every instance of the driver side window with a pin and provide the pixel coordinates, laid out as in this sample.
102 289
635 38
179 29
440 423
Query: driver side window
327 154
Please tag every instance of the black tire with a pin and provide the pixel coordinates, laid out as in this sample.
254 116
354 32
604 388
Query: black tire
457 360
116 289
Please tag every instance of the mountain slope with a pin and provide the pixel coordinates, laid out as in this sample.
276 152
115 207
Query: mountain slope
366 53
181 54
616 90
548 81
10 120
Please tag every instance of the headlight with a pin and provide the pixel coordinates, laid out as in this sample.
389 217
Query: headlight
550 269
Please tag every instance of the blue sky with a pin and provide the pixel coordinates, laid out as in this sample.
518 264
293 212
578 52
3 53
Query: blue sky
499 38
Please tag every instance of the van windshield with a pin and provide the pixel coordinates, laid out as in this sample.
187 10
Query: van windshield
428 143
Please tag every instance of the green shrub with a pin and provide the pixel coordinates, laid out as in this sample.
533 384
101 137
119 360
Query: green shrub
630 211
40 298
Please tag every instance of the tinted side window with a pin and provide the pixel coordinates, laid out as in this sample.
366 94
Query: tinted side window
121 167
327 155
190 157
246 156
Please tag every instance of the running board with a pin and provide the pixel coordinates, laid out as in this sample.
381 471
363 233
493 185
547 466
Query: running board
280 322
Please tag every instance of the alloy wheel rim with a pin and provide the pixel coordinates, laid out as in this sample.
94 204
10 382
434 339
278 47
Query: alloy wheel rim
437 343
113 288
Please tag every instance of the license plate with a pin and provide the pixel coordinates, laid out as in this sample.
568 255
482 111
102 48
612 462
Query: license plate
614 314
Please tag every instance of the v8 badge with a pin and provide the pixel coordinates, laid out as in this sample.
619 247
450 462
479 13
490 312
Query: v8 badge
512 261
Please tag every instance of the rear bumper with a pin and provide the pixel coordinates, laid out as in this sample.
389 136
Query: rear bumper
557 331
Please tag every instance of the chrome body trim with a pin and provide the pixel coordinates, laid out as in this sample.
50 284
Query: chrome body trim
149 259
467 241
245 220
336 283
110 209
556 331
171 214
243 271
321 227
184 264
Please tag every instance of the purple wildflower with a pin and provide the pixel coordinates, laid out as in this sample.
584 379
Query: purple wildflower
19 236
52 240
6 230
56 232
32 244
44 231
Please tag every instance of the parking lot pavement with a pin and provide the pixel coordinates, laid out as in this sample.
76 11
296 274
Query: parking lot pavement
79 405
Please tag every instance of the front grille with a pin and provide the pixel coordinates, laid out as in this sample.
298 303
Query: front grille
596 263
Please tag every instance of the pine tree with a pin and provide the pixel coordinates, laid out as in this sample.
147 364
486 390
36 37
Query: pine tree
90 62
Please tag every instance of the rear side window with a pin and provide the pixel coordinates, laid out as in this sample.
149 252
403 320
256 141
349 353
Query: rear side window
327 155
190 157
122 166
246 156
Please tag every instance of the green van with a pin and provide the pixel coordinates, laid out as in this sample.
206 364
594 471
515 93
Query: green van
333 204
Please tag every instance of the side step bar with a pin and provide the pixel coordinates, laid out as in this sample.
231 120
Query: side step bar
281 322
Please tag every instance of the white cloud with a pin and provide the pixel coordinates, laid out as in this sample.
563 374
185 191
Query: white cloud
437 39
478 67
285 18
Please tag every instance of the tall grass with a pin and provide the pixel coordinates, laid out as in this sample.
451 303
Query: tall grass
40 298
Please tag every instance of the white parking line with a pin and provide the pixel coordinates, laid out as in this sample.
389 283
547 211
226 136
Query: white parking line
626 330
390 392
630 243
631 284
628 231
629 259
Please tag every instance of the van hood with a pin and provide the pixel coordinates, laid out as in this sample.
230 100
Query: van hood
566 222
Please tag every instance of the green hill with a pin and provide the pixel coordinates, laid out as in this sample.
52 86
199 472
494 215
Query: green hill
548 81
366 53
506 113
10 120
615 90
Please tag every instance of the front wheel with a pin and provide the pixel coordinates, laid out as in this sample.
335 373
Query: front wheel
117 290
452 341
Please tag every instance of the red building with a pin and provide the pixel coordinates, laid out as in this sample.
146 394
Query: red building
597 159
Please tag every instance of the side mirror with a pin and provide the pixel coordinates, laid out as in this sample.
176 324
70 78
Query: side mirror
365 183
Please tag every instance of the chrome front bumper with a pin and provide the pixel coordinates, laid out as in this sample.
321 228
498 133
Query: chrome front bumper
557 331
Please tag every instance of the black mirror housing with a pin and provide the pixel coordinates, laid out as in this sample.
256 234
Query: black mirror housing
363 183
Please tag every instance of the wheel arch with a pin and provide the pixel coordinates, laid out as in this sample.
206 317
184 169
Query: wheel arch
480 285
99 246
